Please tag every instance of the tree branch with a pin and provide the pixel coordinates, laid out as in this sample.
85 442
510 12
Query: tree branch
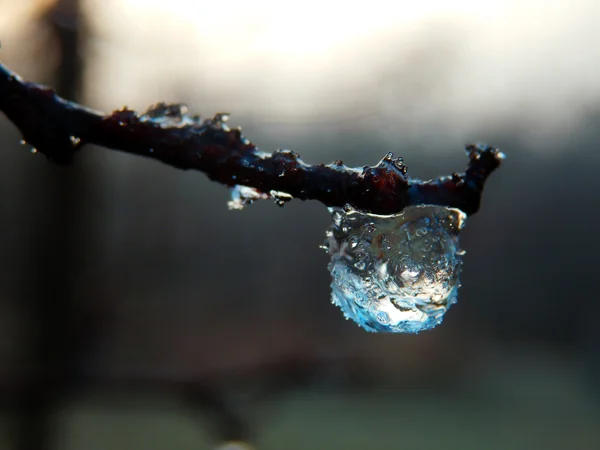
59 128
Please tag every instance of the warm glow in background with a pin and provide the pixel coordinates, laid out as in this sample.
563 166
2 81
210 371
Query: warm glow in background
453 66
184 291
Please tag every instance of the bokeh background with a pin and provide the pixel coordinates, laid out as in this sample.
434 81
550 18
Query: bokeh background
137 312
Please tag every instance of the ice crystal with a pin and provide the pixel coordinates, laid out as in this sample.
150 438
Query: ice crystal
395 273
244 195
174 115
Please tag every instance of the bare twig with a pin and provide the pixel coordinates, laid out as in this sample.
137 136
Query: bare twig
58 128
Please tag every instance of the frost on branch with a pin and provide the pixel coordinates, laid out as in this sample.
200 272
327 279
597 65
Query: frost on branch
394 248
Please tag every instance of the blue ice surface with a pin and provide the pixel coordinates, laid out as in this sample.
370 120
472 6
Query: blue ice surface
397 273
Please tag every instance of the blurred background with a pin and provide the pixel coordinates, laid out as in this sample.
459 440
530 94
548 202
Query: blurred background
137 312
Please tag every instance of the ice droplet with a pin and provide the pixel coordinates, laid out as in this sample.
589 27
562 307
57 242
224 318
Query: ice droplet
280 198
395 273
165 116
244 195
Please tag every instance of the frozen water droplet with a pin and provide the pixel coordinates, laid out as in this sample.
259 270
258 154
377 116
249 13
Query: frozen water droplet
395 273
244 195
74 140
281 198
33 150
169 116
22 142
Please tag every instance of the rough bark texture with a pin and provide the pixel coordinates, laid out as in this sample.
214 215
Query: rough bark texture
59 128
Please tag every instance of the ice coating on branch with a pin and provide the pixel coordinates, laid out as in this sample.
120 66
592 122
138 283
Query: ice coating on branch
395 273
176 116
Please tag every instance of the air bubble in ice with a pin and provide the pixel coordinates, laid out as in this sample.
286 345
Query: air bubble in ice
395 273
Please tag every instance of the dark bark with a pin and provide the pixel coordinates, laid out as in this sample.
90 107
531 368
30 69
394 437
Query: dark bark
58 129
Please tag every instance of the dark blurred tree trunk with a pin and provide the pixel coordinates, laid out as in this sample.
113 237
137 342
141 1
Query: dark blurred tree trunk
53 353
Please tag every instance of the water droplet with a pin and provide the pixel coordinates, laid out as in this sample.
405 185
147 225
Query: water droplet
170 116
242 196
22 142
74 140
33 150
280 198
395 273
